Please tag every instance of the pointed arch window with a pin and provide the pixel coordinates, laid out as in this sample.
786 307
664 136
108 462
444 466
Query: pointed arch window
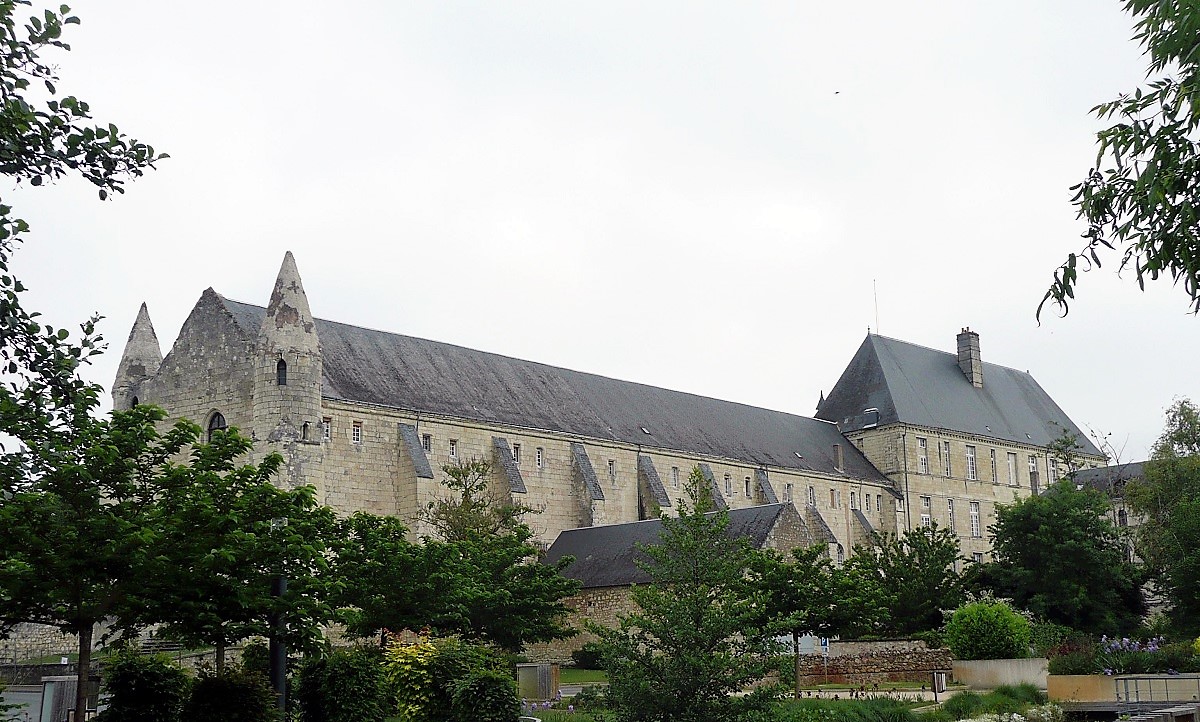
216 423
281 373
133 403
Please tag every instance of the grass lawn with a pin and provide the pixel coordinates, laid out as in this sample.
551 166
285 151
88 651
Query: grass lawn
572 675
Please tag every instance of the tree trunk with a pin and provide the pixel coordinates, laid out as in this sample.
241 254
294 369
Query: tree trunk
220 659
84 673
796 660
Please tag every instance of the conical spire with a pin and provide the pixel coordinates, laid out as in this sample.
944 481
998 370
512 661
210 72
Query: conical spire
289 323
142 356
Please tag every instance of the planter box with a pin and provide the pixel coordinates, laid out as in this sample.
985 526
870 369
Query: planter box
1081 688
991 673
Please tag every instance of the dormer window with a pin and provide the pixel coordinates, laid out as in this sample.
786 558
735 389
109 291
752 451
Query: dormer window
281 373
216 423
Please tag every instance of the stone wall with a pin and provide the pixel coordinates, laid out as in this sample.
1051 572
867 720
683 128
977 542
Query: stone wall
602 606
36 642
885 665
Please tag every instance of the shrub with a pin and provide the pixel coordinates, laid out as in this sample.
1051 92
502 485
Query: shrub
236 696
963 705
1024 693
590 697
1046 636
486 696
987 629
424 677
346 686
256 659
143 688
587 656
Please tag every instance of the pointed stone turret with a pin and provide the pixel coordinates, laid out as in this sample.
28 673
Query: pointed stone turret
287 382
140 360
288 324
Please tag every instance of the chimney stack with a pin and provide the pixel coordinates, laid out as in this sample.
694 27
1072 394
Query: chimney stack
839 462
969 359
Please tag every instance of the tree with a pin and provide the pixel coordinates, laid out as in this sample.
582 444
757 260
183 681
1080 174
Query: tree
78 542
1059 556
1143 195
807 594
227 533
481 579
699 634
470 509
1167 497
916 573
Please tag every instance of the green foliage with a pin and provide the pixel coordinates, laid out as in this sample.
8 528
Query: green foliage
699 633
1168 499
6 709
1143 194
236 696
485 586
423 677
143 688
1058 556
916 575
963 705
988 629
871 709
256 659
588 656
470 509
486 696
590 697
346 686
1024 693
1045 636
1125 656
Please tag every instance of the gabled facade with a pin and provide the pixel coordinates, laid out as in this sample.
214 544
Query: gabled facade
955 435
369 417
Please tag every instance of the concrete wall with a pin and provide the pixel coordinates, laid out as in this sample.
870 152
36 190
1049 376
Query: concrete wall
991 673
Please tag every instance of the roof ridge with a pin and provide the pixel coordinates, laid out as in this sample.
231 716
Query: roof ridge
951 354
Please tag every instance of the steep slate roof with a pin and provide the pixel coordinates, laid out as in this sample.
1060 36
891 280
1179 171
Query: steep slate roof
403 372
916 385
1110 478
605 556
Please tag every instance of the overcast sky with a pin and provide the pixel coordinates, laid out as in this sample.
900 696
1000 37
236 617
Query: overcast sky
700 196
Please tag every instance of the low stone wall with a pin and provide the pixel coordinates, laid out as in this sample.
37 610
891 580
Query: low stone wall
991 673
838 648
601 605
886 665
36 641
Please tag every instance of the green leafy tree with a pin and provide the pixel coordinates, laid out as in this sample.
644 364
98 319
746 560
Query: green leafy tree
917 576
78 543
481 579
699 635
1142 198
806 594
227 532
988 629
1167 498
1059 556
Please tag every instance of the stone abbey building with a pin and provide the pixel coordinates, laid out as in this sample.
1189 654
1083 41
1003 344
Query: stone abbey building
907 436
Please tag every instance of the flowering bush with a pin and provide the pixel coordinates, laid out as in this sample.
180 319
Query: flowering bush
1036 713
1125 656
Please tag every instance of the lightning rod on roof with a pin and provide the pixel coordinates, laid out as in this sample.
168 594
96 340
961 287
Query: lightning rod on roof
875 290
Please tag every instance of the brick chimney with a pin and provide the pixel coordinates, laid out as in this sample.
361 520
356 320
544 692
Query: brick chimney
969 359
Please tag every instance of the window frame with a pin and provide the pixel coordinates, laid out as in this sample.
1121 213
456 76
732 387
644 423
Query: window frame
976 527
356 432
922 455
972 464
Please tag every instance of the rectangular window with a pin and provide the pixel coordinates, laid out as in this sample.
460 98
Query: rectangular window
879 502
787 492
612 470
747 480
946 458
992 455
356 432
972 470
977 557
926 506
922 455
1013 480
541 459
327 428
950 514
427 443
1053 469
453 448
516 453
900 505
812 496
832 499
675 476
867 501
853 500
728 485
975 529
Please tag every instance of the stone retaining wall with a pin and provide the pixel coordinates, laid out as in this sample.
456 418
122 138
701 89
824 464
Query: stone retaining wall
887 665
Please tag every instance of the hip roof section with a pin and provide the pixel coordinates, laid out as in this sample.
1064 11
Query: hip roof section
911 384
388 369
